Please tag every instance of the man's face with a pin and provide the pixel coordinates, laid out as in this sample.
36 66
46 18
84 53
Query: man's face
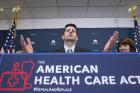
70 34
124 48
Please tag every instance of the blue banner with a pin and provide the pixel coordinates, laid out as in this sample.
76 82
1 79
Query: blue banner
70 73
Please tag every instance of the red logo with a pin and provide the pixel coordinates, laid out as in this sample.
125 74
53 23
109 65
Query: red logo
18 78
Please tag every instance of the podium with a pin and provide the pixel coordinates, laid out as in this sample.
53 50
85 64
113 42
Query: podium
70 73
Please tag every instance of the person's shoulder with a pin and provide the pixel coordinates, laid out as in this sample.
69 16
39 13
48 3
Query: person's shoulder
59 50
78 49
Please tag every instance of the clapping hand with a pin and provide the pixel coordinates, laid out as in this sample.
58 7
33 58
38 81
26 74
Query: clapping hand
111 42
26 46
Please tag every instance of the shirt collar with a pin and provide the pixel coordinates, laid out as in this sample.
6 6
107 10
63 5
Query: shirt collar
67 48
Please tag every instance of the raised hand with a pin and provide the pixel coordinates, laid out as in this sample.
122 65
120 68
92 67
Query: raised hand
111 42
26 46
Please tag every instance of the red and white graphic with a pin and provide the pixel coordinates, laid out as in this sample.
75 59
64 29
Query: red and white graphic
18 78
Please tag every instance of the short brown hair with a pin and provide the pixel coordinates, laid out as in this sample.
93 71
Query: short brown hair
128 41
73 25
67 25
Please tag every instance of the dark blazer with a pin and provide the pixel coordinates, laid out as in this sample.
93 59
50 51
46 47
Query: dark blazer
77 49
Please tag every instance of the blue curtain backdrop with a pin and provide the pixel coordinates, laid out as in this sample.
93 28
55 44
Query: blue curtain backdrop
47 40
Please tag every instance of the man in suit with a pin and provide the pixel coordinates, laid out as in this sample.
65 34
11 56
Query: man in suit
70 39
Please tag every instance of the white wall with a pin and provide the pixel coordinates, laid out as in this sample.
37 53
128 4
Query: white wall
60 23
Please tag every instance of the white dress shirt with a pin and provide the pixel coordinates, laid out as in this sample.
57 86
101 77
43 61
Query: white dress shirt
67 48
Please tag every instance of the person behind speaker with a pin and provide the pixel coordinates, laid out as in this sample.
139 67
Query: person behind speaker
125 44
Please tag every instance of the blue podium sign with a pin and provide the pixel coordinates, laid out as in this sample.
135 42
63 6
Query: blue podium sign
70 73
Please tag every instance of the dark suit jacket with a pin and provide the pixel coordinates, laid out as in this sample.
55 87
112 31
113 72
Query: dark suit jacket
77 49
